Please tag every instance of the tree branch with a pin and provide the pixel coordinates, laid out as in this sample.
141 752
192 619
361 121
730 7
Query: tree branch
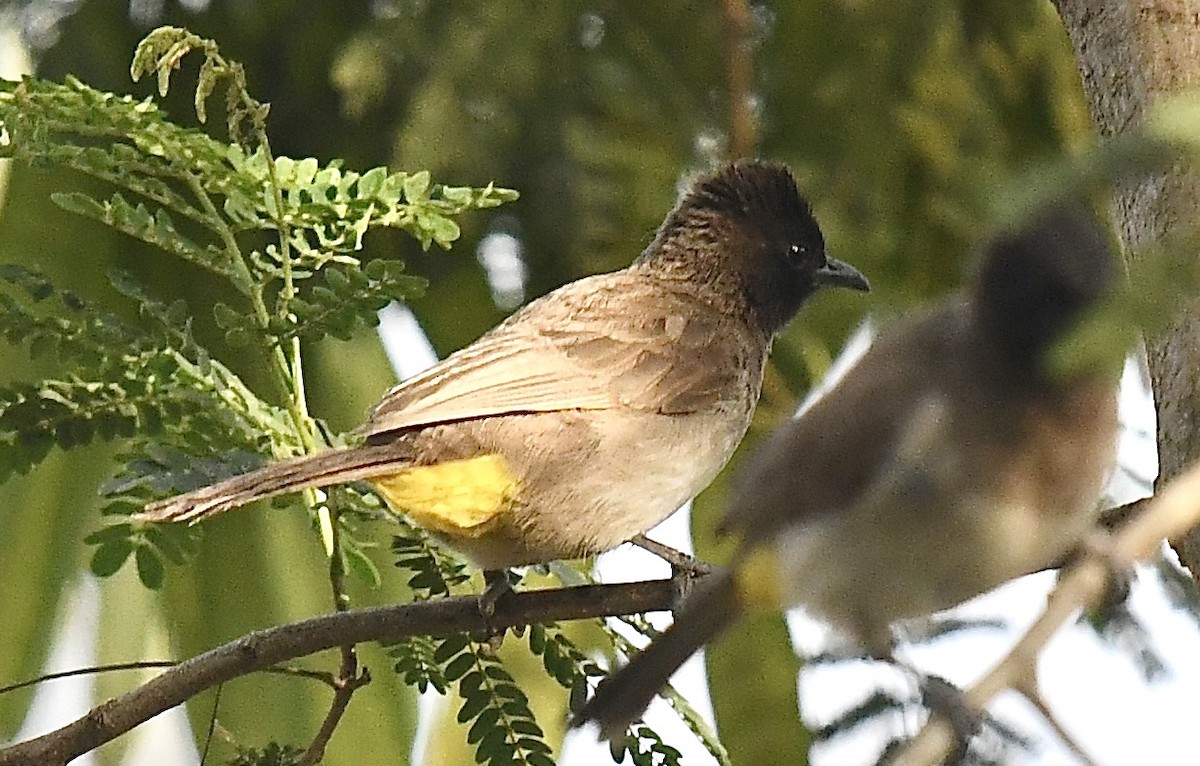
739 78
343 691
264 648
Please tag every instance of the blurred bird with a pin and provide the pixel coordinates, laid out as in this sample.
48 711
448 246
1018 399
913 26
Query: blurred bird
949 460
593 413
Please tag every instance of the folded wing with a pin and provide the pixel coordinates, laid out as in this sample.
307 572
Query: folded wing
611 341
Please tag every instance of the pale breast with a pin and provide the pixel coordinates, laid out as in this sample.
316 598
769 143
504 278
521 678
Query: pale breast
588 481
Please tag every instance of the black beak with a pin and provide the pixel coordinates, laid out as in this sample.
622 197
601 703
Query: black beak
837 273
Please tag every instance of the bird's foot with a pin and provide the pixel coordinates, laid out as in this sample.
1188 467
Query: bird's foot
496 585
969 725
946 700
1099 545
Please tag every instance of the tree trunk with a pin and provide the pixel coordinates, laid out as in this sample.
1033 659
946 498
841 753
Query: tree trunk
1130 54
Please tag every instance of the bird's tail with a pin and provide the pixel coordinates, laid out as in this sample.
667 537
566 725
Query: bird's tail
335 466
623 697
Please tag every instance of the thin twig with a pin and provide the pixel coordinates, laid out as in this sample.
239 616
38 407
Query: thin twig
212 725
314 675
271 646
322 676
348 679
1028 689
88 671
341 700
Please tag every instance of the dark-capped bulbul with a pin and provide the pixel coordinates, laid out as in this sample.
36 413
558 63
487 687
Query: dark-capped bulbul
949 460
593 413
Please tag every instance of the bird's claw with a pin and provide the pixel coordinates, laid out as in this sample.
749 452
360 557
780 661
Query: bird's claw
496 586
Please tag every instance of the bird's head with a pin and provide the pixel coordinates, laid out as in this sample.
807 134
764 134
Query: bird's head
748 227
1035 283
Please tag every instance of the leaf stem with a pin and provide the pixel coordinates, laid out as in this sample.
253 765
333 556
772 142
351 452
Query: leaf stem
288 375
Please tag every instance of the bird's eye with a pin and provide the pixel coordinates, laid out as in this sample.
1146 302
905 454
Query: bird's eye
798 251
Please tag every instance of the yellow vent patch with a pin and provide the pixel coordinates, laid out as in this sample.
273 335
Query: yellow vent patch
457 498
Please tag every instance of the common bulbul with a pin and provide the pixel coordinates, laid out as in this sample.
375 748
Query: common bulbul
949 460
596 411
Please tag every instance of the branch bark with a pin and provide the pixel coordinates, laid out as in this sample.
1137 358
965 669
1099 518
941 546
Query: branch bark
739 78
265 648
1131 54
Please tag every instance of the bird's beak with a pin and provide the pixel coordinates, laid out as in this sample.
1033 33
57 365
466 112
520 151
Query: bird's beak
837 273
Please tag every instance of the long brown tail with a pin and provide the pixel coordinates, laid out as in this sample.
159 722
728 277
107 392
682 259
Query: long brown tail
623 697
336 466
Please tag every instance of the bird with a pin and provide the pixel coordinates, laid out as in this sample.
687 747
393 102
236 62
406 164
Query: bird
951 458
594 412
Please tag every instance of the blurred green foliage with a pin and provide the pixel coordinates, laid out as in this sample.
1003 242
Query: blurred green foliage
898 118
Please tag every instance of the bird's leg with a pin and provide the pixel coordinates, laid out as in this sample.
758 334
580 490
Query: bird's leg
686 570
1112 604
968 724
496 584
680 562
945 699
940 697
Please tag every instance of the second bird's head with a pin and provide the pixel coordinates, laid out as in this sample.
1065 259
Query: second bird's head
1035 282
746 228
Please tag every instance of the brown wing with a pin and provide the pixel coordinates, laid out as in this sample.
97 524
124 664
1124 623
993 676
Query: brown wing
850 443
613 340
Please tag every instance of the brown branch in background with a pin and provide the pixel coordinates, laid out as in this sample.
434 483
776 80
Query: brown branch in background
739 79
1171 512
265 648
1115 518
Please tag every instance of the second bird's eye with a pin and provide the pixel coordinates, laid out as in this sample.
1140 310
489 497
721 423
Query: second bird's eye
798 250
